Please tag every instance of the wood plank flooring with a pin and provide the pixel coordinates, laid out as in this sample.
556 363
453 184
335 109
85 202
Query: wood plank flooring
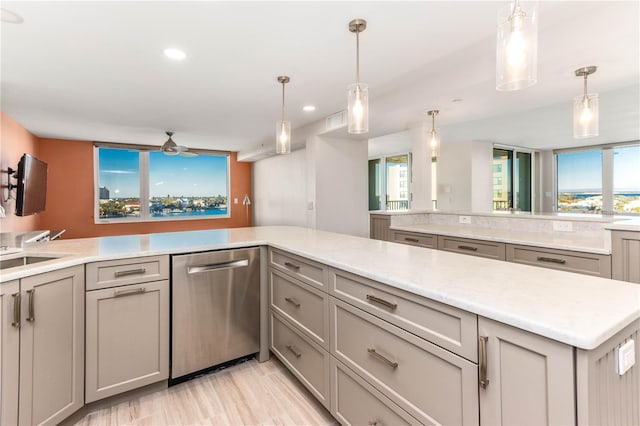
245 394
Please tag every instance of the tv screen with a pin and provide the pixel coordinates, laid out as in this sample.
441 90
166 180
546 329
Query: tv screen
32 186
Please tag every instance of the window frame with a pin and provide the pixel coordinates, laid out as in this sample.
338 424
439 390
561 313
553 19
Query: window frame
143 163
607 176
533 177
383 179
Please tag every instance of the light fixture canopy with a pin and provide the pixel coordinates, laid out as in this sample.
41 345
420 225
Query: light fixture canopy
586 108
517 47
283 127
433 137
358 93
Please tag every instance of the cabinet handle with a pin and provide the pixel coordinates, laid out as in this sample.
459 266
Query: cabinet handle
383 358
551 259
382 302
413 240
218 266
131 292
139 271
373 423
16 310
31 317
468 248
291 265
484 382
293 301
294 351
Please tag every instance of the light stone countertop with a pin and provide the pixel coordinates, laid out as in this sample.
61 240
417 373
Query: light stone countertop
575 309
555 240
632 224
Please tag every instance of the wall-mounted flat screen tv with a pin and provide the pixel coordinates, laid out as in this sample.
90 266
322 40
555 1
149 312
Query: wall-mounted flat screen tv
31 191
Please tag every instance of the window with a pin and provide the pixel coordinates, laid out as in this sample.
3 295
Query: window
512 179
603 180
135 185
389 182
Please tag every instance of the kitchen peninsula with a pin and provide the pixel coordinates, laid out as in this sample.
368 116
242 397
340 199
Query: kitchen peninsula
452 307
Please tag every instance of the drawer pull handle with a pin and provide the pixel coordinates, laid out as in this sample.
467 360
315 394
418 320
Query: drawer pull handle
373 423
218 266
16 310
382 302
551 259
131 292
383 358
484 381
293 301
294 351
139 271
468 248
31 317
413 240
291 265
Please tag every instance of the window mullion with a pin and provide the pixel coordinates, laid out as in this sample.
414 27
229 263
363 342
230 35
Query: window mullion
144 186
607 180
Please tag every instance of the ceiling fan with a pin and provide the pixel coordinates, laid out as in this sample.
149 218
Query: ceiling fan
171 148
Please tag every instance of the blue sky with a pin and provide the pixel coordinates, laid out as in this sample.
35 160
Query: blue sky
203 175
583 170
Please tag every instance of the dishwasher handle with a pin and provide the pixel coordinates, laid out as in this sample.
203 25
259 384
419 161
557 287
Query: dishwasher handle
217 266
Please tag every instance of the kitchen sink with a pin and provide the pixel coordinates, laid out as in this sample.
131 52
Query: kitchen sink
23 260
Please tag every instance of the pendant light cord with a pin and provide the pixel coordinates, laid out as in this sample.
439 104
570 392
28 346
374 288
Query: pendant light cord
358 55
283 101
585 86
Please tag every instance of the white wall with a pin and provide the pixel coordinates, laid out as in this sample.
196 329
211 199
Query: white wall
481 176
547 190
280 190
341 185
454 175
420 169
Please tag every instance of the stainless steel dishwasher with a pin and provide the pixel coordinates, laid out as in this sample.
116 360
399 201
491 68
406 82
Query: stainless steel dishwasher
215 308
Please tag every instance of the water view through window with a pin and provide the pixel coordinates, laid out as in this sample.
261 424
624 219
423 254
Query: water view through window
175 187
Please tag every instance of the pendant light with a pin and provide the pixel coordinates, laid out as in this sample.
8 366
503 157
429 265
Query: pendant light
517 47
585 109
434 137
283 127
358 93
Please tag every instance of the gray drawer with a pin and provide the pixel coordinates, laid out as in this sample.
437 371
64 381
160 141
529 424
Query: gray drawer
313 273
113 273
303 305
598 265
356 402
446 326
415 239
432 384
480 248
305 359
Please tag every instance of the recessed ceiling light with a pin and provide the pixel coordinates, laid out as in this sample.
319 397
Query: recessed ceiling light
454 100
308 108
175 54
10 17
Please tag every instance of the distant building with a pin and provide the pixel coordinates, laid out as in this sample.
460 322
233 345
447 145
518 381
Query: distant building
104 193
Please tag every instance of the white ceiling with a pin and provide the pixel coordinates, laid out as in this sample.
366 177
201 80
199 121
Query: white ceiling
95 70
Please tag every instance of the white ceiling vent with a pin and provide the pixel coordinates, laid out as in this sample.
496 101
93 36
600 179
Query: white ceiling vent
337 120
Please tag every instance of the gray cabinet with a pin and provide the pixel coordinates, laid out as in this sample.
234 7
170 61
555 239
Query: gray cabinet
625 256
598 265
480 248
414 239
524 378
51 346
379 227
9 351
127 325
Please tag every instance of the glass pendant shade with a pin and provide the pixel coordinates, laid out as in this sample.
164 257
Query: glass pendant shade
586 116
283 137
517 47
358 108
434 144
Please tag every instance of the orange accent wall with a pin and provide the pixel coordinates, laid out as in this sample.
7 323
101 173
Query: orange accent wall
70 193
15 140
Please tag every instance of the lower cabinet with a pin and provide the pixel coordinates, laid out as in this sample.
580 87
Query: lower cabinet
356 402
127 338
625 256
524 378
379 227
50 318
9 351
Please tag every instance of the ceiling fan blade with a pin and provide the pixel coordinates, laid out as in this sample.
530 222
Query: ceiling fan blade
188 154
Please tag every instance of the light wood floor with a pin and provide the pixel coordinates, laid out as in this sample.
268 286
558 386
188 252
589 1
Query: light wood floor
246 394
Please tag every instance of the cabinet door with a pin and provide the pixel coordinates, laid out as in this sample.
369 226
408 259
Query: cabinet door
9 351
625 253
530 377
52 346
127 338
379 227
